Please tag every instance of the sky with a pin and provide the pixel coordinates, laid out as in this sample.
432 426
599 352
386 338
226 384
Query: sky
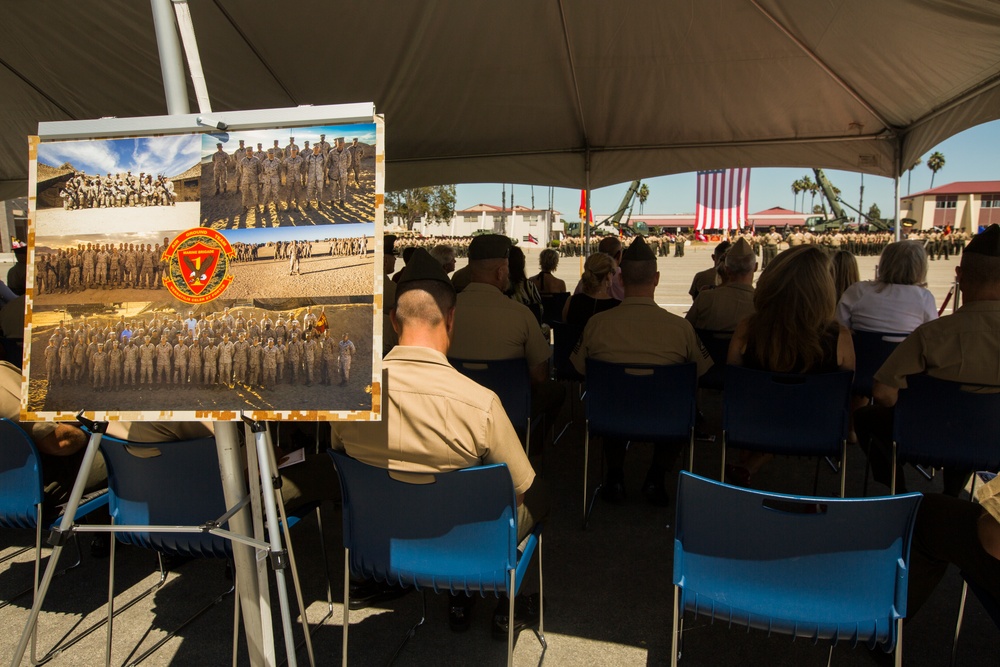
365 132
170 155
973 155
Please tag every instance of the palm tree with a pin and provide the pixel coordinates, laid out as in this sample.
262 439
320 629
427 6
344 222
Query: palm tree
909 174
796 189
643 196
812 188
935 163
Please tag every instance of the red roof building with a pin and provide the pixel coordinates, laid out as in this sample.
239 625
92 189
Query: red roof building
965 205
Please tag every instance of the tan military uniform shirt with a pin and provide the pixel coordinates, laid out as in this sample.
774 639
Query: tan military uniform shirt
488 325
701 280
640 332
722 308
963 347
435 419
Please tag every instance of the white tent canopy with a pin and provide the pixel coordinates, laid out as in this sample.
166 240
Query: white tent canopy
540 91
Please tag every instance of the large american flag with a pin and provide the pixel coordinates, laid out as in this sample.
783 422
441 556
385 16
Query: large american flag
722 198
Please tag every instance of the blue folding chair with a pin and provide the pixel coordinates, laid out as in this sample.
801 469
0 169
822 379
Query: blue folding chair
638 403
454 531
173 484
815 412
871 349
21 503
510 380
825 569
946 425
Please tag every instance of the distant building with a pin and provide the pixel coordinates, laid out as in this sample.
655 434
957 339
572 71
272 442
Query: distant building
964 205
527 225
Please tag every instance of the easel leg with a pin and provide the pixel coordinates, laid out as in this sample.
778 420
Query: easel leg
59 537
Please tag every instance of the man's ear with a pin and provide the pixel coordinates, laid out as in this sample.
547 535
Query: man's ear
449 321
394 321
656 281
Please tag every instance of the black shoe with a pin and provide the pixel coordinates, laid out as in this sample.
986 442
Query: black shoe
367 593
100 546
460 612
655 494
613 491
526 614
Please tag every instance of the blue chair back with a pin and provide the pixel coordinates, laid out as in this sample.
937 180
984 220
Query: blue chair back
871 349
938 423
508 379
20 477
786 413
820 568
453 531
552 306
642 402
178 487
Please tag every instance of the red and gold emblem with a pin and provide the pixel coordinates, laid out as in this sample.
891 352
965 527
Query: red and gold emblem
199 265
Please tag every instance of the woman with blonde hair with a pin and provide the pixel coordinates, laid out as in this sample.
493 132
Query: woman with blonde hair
595 293
845 271
794 328
547 283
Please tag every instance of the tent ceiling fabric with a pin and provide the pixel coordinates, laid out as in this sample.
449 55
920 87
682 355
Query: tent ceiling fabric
518 91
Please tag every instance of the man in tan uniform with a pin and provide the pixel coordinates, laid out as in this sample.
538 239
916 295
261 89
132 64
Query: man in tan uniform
963 347
638 331
722 308
488 325
709 277
427 397
61 446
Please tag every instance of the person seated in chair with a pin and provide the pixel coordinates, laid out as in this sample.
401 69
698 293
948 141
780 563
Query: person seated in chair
962 347
426 400
722 308
489 326
639 331
61 446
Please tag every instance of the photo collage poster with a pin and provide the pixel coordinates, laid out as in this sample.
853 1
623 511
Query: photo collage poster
204 276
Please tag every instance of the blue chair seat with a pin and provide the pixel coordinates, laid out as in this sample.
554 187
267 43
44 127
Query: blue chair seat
826 569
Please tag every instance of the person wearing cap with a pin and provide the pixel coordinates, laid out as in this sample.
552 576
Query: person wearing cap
247 175
270 179
357 152
293 166
961 347
220 169
489 326
771 241
639 331
722 308
709 277
290 147
388 291
425 398
338 162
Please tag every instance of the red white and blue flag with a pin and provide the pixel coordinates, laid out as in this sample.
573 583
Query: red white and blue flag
723 195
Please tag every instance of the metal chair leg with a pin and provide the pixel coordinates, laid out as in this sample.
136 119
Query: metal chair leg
675 633
347 608
958 623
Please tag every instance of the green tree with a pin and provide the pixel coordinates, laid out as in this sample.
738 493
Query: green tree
935 163
796 189
874 213
643 196
812 188
434 203
817 209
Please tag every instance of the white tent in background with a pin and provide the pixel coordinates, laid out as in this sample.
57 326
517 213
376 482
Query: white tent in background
540 91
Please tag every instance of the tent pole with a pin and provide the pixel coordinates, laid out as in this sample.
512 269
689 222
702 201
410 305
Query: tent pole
171 65
186 27
897 171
